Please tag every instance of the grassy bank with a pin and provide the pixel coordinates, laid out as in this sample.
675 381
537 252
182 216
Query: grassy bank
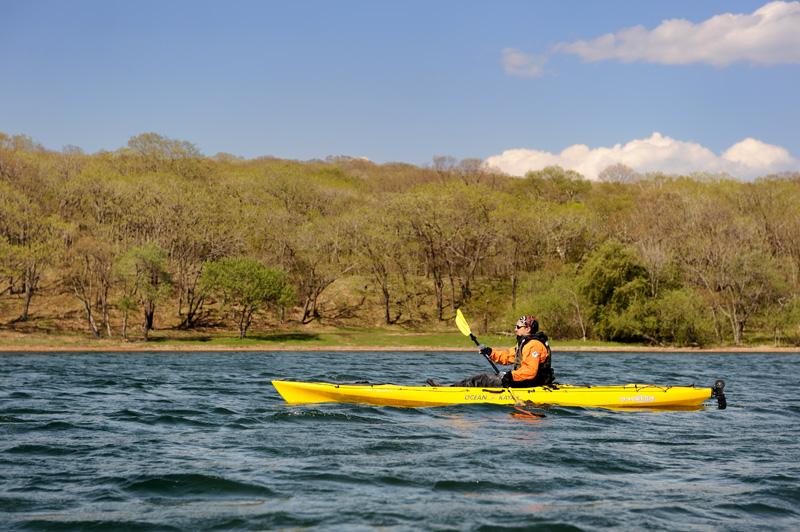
300 339
335 339
57 322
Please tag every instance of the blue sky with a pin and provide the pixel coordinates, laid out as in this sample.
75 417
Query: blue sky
520 84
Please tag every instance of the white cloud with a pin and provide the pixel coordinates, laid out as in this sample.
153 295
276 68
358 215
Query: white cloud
747 159
518 63
768 36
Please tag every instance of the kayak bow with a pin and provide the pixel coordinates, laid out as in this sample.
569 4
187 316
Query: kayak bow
623 396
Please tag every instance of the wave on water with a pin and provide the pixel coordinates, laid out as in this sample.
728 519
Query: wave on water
180 486
303 414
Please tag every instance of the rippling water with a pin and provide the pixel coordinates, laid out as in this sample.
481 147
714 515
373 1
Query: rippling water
202 441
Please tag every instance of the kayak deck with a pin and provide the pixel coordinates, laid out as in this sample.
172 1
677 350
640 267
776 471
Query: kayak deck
622 396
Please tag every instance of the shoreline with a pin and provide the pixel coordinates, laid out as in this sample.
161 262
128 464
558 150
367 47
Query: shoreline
280 348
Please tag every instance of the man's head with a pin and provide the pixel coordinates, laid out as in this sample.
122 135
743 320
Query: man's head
527 325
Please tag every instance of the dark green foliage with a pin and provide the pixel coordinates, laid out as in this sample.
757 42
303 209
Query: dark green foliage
681 317
246 286
625 308
613 280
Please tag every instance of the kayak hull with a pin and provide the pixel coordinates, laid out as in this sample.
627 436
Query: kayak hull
622 396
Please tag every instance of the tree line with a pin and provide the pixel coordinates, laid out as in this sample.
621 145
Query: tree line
158 228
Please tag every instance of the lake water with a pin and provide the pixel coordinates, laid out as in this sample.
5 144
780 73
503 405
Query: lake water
202 441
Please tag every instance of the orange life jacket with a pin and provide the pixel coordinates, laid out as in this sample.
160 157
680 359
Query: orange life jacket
531 360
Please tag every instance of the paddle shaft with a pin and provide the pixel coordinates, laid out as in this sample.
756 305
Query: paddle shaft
497 371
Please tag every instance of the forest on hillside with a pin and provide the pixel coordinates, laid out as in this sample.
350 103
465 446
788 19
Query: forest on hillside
158 234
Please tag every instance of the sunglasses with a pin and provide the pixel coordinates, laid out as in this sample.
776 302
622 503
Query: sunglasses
520 326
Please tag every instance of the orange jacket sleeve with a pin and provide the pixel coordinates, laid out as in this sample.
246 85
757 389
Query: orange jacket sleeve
532 353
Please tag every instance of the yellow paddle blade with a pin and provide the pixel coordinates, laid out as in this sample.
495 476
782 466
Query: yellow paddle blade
463 326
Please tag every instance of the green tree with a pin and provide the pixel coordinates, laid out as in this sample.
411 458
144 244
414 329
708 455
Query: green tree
454 225
144 269
157 153
613 279
489 303
681 317
555 184
524 234
782 319
319 252
126 304
246 285
190 223
558 303
29 241
376 234
571 231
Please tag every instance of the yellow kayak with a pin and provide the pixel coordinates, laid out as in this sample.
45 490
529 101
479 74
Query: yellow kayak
623 396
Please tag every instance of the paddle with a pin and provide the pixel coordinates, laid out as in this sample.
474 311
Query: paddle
463 326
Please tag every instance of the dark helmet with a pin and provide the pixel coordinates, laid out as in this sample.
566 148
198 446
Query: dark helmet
531 322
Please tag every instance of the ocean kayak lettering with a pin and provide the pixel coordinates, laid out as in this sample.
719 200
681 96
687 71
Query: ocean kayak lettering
638 399
484 398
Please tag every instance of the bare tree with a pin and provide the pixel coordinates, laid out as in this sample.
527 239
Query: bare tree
619 173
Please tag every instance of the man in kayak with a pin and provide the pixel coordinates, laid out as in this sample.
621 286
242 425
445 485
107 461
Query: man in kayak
531 359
